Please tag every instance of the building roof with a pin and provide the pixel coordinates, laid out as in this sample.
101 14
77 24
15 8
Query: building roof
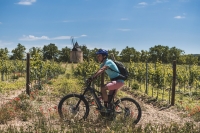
76 47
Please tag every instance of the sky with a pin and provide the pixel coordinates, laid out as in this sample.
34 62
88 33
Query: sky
106 24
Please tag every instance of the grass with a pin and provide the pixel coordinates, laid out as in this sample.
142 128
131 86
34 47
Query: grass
38 112
7 87
42 125
183 97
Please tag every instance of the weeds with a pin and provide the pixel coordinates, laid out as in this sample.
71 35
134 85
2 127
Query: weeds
194 112
39 114
41 126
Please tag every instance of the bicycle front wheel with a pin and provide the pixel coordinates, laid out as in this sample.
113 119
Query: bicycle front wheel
73 107
128 109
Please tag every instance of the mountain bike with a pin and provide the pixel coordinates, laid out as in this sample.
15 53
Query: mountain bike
76 107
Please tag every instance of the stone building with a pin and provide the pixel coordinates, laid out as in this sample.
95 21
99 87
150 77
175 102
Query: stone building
76 55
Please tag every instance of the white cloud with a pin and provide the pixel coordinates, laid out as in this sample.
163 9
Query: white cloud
184 0
159 2
142 4
179 17
61 38
145 4
4 44
123 19
124 29
83 35
26 2
34 38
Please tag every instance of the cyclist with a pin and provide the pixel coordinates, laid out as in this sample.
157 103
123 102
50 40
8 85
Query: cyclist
108 66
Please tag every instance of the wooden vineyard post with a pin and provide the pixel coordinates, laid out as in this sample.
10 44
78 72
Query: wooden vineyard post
173 84
146 91
28 74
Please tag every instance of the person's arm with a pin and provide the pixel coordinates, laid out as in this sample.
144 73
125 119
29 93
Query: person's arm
99 72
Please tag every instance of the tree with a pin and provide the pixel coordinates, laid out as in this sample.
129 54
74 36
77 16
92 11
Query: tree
165 54
198 59
136 56
130 54
175 54
4 53
64 55
19 52
159 53
86 52
144 56
92 55
182 59
191 59
50 52
115 53
36 52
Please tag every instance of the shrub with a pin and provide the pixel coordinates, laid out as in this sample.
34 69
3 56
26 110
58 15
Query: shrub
135 86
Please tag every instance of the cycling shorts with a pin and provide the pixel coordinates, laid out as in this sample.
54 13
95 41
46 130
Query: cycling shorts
114 85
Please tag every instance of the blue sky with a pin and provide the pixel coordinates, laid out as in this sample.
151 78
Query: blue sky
101 23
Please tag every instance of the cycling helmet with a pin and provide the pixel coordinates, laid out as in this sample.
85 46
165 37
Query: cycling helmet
102 51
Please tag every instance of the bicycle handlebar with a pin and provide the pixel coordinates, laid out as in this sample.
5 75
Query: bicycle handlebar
88 82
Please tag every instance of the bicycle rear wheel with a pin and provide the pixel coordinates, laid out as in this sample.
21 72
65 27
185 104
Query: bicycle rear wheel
73 107
128 109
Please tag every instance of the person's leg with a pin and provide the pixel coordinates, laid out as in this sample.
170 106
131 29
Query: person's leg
111 95
111 86
113 92
104 93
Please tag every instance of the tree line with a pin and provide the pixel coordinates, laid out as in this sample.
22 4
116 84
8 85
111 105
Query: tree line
157 53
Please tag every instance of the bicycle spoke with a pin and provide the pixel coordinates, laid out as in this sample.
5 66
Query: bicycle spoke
68 110
127 109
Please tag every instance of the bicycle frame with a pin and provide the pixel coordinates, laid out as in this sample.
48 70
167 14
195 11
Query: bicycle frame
94 95
113 108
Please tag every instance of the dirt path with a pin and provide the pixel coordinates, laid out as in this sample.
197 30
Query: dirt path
154 115
9 96
150 113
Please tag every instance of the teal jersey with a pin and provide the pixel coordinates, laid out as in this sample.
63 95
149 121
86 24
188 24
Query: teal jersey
111 74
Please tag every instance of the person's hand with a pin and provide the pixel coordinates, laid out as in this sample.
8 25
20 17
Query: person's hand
89 80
